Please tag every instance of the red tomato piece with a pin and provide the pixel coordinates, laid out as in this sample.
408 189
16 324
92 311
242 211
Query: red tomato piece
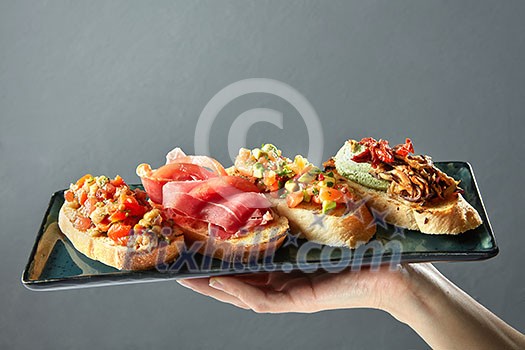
82 223
118 231
83 179
294 199
104 225
117 181
69 196
110 190
403 150
132 205
141 196
100 194
117 216
330 194
375 152
82 197
362 157
90 204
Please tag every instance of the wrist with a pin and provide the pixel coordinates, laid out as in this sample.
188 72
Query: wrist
414 283
443 315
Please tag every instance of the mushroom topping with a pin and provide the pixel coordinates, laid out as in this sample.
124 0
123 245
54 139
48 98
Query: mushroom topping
413 177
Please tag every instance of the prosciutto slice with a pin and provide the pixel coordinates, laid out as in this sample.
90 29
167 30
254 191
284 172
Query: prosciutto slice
178 156
198 188
217 201
154 180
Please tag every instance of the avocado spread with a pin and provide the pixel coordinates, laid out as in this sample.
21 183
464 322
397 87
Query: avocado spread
357 172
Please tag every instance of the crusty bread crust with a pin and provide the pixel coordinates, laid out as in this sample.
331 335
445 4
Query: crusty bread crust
105 250
336 228
450 217
261 241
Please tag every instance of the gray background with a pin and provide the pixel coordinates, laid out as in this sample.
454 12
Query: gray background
99 87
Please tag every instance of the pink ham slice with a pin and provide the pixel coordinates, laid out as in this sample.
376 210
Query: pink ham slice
178 156
226 206
154 180
198 188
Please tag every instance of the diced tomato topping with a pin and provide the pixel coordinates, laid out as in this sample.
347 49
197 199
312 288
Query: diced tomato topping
117 216
330 194
104 225
131 204
293 199
141 196
110 190
118 231
100 194
90 205
273 187
117 181
69 196
269 179
82 197
83 179
82 223
123 211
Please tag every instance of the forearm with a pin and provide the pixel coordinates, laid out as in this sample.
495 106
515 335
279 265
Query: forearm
418 295
446 317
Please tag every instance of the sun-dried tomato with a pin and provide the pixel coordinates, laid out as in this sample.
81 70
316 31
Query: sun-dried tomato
376 152
402 150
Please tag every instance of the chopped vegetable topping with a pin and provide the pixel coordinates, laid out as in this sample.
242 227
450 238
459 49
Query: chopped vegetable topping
112 208
302 181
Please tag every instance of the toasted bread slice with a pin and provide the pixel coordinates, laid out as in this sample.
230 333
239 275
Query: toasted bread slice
260 241
453 216
337 228
105 250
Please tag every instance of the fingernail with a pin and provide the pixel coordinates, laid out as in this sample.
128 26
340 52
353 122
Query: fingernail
215 283
182 283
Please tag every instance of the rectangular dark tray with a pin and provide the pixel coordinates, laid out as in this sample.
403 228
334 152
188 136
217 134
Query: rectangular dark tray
55 264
